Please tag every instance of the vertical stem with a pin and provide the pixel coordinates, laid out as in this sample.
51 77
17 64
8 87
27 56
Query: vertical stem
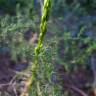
41 5
43 28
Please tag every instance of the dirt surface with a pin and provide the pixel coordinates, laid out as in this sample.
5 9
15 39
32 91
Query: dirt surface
8 73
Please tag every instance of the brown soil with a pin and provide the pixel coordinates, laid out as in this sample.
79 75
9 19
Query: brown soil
8 69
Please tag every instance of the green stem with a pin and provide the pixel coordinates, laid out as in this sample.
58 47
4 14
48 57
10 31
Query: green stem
43 28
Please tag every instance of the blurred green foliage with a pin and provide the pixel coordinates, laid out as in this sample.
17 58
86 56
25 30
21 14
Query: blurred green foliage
60 47
63 6
9 6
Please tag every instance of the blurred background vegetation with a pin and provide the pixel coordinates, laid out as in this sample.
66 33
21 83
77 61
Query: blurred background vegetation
69 45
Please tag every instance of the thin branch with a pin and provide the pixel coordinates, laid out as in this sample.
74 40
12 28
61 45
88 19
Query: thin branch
14 89
39 92
41 5
74 88
9 83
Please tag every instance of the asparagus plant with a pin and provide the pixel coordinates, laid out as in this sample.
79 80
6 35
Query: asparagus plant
43 27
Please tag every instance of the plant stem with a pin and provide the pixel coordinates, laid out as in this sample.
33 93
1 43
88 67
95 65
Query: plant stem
77 90
43 27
